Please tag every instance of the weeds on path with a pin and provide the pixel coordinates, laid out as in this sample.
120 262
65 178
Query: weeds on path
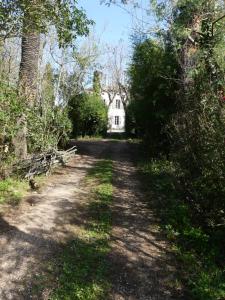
12 191
83 271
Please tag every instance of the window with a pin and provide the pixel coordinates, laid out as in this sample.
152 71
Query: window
117 120
117 103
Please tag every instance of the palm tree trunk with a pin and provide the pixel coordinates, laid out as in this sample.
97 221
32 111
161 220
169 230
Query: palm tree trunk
28 75
28 79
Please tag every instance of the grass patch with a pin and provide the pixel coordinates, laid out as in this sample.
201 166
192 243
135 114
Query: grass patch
12 191
199 258
82 267
90 138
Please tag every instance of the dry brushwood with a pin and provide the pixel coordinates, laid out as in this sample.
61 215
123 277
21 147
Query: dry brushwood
43 163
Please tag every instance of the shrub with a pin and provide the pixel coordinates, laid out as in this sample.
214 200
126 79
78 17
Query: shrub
88 114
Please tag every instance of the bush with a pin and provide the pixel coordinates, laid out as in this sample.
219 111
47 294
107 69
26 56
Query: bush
45 127
47 130
88 114
11 106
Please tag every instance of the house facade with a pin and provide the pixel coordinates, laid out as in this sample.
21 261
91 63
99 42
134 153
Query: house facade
116 111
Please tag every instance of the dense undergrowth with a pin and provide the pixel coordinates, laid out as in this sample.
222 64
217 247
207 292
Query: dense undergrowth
199 250
44 127
177 107
83 267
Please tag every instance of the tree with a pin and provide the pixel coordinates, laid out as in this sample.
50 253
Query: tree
116 77
88 115
153 84
84 61
30 47
69 22
48 89
197 131
97 83
29 19
109 2
11 19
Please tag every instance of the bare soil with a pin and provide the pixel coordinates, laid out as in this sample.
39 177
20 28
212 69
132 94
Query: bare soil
141 263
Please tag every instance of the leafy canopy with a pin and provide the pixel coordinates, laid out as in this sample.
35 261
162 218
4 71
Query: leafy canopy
68 19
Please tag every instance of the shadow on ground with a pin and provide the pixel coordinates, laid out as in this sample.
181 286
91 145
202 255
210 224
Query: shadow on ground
140 265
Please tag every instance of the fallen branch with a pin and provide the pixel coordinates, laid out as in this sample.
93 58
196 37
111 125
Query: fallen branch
43 163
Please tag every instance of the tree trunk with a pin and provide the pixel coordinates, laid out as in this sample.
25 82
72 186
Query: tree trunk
28 77
20 140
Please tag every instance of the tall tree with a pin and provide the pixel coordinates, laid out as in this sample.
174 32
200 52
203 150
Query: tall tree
97 83
153 83
83 62
197 131
117 81
38 16
29 19
28 76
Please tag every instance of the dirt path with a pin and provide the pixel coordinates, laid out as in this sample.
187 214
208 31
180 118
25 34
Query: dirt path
29 237
142 266
140 262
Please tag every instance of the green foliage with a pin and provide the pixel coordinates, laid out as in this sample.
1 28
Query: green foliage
190 191
47 125
12 191
83 271
10 108
47 129
68 20
48 96
152 92
97 83
198 130
88 114
195 247
192 203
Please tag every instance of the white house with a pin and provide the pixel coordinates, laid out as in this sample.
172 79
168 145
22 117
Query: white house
116 112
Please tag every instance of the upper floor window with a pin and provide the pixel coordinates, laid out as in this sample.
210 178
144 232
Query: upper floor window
117 103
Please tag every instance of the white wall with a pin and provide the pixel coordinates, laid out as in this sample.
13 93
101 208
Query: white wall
113 112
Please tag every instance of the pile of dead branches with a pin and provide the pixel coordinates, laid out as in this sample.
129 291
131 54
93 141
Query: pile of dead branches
43 163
